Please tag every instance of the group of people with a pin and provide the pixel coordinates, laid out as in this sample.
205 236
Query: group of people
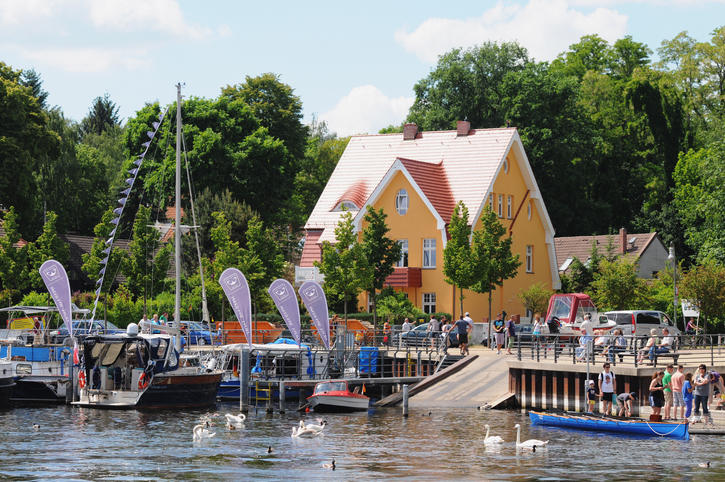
436 327
156 319
503 331
672 390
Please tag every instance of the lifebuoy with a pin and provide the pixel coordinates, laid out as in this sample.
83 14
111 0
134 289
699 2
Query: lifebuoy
143 381
82 379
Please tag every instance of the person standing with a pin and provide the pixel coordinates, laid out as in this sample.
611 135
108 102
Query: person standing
498 327
687 395
433 330
511 332
164 319
591 397
607 388
386 333
407 326
678 401
445 328
702 391
463 329
656 395
666 381
469 320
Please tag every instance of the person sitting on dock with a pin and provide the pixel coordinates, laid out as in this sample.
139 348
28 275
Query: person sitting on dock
618 346
664 346
583 349
625 401
650 344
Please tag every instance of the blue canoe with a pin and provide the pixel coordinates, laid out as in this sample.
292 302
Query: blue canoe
613 425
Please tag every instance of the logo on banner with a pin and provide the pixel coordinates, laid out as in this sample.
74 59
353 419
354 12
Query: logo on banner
233 282
281 292
311 293
52 273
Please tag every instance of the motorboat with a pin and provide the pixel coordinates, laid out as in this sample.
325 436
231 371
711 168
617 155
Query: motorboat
334 396
6 381
601 423
143 370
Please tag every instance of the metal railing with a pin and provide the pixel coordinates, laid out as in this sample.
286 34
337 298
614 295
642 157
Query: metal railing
686 350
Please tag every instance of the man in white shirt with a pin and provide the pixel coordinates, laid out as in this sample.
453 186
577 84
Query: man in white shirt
664 346
407 325
468 319
607 388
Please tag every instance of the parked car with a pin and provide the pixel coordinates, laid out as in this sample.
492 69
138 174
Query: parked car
640 322
199 334
84 328
418 336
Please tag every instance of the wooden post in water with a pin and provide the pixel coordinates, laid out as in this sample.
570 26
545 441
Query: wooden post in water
243 380
405 400
281 396
303 397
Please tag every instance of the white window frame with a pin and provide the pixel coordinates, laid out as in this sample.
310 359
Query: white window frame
429 252
403 261
509 206
500 205
429 302
528 210
402 202
490 201
529 258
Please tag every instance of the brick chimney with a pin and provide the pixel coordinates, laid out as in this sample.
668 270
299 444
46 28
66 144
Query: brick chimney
462 128
410 131
623 240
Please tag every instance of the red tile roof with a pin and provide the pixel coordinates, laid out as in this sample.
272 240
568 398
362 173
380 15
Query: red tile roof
580 246
433 181
311 250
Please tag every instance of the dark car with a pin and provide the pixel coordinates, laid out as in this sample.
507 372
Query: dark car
525 333
83 328
418 336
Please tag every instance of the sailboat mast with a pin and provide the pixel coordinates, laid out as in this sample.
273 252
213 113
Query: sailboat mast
177 229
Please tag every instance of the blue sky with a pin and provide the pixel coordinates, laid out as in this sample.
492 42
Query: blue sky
353 64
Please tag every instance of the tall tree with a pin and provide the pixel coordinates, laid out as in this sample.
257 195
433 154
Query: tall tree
381 252
459 266
467 84
705 285
13 259
617 286
102 115
92 261
263 246
536 298
31 79
47 246
344 264
591 54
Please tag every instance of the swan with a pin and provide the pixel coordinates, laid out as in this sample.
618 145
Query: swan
298 430
491 440
235 419
329 466
529 443
201 433
319 428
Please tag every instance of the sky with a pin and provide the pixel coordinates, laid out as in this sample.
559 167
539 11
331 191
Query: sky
353 64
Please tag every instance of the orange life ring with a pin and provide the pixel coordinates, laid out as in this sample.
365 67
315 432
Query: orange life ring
82 379
143 382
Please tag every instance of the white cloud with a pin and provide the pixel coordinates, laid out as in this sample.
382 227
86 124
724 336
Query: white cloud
133 15
14 12
88 60
545 27
366 110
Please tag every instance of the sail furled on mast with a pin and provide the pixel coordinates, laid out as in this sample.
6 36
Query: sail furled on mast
122 204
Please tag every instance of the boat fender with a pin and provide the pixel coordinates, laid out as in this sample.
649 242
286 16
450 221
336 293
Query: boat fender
82 379
143 381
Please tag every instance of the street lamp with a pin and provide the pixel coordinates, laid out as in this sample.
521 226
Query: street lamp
672 258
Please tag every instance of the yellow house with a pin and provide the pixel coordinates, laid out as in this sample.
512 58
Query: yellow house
417 178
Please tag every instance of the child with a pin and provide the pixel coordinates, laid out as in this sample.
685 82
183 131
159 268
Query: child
687 394
591 396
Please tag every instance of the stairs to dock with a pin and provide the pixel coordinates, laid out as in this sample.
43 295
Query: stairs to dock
447 361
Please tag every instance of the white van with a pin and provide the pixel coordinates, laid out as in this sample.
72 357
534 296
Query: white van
640 322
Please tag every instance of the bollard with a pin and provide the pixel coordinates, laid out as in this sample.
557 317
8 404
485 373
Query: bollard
243 380
419 368
281 396
405 400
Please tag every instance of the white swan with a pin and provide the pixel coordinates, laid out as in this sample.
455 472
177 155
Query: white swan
235 419
298 429
201 433
529 443
491 440
320 427
306 430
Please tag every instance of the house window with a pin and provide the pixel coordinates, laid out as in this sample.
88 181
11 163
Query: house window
528 210
500 205
401 202
346 206
429 253
506 166
403 261
529 258
509 206
490 201
429 302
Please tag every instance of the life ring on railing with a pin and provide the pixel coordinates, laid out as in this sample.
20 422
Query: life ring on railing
143 381
82 379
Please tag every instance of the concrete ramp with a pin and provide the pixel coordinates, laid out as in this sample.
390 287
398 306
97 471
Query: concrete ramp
482 381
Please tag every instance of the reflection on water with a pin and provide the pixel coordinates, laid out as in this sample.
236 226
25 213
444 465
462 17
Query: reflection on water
84 444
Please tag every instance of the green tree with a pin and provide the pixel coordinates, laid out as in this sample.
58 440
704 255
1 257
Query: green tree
102 115
344 264
396 307
92 261
467 84
13 259
47 246
381 252
704 284
263 246
536 298
459 267
31 79
148 261
492 254
276 107
616 285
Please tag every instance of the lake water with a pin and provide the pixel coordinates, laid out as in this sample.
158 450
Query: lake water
74 444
